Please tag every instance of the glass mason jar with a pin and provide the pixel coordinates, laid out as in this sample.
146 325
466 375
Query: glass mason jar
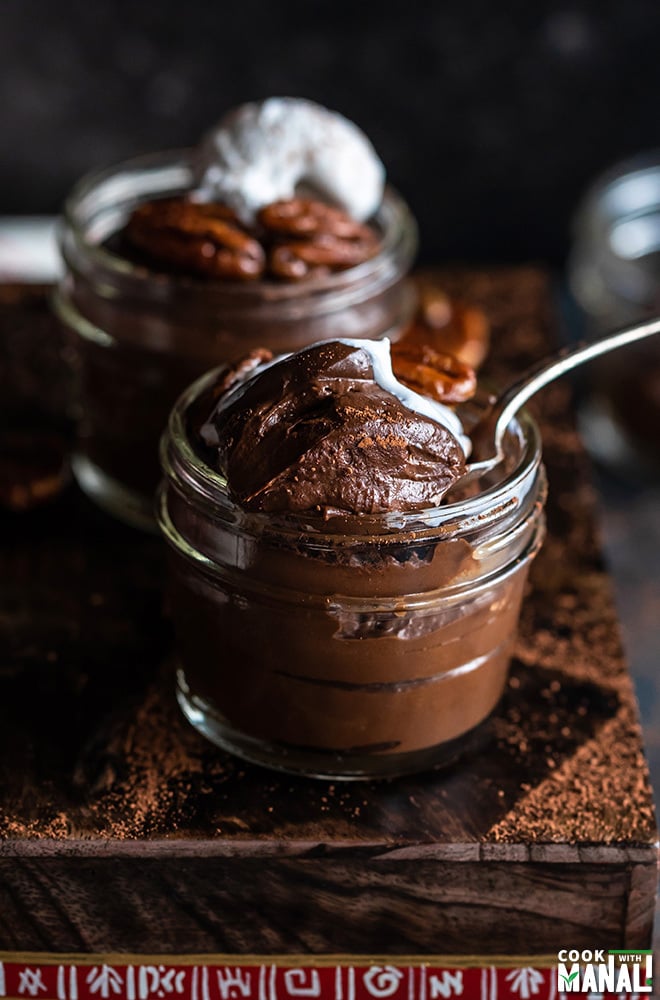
141 336
365 647
614 275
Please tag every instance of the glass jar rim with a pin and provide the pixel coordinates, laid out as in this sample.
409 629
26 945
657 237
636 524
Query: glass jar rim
397 224
184 464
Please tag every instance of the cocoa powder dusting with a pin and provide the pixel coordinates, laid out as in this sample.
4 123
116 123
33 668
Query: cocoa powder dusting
155 764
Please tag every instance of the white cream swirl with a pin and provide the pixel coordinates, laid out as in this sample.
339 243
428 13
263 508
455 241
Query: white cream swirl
380 355
269 151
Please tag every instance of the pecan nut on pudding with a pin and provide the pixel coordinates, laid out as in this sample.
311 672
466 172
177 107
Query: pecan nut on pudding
204 239
290 240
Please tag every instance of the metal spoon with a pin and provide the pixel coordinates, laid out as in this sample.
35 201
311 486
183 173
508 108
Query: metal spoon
487 436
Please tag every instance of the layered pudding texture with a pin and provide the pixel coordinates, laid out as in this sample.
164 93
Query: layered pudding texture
345 618
276 230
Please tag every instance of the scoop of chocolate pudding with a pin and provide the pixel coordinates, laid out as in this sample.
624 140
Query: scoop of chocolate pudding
331 429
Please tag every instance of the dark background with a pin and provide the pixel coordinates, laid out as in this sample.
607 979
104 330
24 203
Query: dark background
491 117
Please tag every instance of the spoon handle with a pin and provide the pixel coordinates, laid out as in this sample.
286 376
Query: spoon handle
516 395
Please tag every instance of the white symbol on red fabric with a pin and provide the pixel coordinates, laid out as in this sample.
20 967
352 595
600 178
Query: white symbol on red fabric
446 984
2 980
64 993
382 981
268 992
157 981
104 980
295 982
234 984
525 982
30 982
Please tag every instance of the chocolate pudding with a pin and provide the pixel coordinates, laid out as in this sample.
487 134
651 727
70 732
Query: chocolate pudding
335 615
177 262
317 433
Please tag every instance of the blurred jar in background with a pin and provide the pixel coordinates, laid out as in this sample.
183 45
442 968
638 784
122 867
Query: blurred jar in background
614 275
141 335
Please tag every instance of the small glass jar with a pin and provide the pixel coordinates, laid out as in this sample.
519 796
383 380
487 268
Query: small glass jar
614 276
365 647
141 336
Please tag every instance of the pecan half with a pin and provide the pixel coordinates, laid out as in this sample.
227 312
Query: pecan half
199 238
308 218
310 237
433 373
298 259
451 326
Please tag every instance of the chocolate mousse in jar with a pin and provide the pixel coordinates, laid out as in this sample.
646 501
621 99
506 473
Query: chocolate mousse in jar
342 609
277 231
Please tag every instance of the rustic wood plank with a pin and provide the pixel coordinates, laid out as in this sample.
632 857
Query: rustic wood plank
292 906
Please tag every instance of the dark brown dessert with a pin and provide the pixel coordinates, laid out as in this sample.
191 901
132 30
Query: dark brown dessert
316 432
333 618
291 241
159 291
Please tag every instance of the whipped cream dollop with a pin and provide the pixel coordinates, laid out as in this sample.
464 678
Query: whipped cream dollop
272 150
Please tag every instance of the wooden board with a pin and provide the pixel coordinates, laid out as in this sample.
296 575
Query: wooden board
122 830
